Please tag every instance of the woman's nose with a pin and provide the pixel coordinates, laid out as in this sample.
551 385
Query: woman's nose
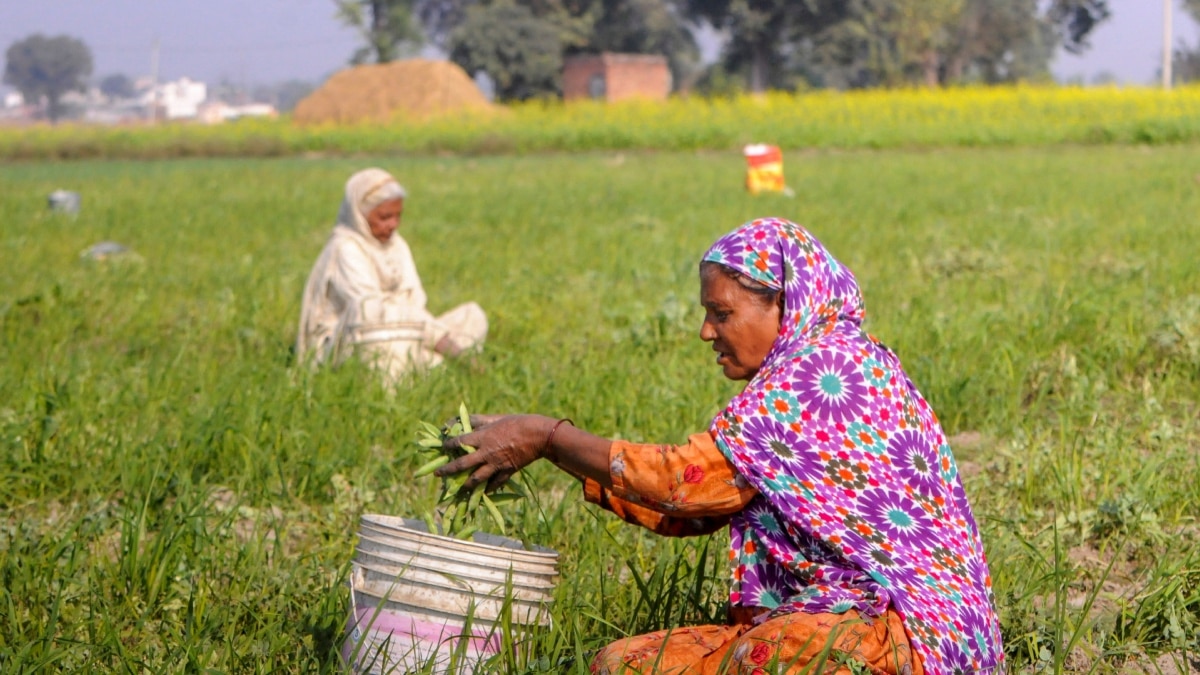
707 332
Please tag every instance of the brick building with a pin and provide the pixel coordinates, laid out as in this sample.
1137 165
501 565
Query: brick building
616 77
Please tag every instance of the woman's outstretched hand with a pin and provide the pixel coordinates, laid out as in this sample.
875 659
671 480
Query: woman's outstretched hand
504 444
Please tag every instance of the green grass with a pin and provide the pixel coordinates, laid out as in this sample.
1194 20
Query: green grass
177 495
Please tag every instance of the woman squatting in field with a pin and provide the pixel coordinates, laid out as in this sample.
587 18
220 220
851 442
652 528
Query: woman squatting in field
851 538
364 294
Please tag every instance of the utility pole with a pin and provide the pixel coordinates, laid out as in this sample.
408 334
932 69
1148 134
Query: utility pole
154 82
1168 36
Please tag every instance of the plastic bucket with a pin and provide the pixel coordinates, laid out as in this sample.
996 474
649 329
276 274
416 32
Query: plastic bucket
421 602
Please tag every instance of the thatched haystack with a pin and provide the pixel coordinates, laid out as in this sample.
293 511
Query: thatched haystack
416 89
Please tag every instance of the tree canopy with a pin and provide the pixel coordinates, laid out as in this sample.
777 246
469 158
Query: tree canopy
1074 20
386 26
765 34
647 27
48 67
117 85
771 43
494 36
522 53
1185 58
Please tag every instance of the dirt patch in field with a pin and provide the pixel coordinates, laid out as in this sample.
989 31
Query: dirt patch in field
969 449
1119 586
416 89
1177 663
967 442
1107 579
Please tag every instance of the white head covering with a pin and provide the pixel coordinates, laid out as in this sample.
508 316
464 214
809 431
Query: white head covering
364 191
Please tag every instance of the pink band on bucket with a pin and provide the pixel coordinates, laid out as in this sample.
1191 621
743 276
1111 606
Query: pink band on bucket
486 641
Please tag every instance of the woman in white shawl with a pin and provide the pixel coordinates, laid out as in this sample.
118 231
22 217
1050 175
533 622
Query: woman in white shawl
364 295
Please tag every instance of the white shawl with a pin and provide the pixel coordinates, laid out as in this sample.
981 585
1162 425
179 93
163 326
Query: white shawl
359 281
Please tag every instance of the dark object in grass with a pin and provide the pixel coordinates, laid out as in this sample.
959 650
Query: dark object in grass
64 201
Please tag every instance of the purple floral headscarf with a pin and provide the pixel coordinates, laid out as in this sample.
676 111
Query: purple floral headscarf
860 505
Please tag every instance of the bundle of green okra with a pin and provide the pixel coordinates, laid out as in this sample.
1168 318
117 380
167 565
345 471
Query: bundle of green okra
457 512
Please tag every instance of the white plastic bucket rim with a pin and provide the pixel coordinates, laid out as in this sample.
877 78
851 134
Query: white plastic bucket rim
402 548
482 542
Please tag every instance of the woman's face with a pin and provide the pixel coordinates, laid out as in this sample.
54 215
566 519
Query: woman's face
385 218
740 324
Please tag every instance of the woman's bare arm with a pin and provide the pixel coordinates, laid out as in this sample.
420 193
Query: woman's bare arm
505 445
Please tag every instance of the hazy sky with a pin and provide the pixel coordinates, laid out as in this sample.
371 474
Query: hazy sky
263 41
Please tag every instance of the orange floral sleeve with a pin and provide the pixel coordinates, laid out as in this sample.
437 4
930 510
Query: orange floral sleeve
673 490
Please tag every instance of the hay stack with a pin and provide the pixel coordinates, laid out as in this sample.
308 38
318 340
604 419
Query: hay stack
416 89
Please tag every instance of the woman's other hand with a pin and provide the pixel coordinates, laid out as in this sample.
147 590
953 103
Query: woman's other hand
504 444
448 347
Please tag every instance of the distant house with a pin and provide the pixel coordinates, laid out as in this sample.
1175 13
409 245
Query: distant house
180 99
14 109
217 112
616 77
82 99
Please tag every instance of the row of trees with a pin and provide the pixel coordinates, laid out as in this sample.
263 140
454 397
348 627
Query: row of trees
783 44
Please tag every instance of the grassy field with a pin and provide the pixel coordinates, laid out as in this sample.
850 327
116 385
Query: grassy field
915 118
178 496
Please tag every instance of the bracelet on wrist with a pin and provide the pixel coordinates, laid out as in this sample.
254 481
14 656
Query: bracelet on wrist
548 450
